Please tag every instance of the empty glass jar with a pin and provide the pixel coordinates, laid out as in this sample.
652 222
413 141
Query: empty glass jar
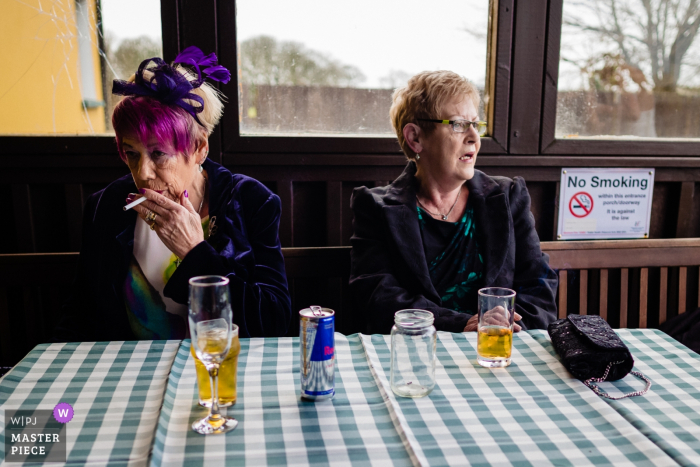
413 343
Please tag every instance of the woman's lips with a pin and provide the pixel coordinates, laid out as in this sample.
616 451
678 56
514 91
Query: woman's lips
467 157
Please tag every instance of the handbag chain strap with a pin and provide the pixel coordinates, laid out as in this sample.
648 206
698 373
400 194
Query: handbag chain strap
590 383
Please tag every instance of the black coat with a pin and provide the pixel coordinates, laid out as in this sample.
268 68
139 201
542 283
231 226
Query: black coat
245 247
390 271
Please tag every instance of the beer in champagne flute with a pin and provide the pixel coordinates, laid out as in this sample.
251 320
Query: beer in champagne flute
210 319
227 375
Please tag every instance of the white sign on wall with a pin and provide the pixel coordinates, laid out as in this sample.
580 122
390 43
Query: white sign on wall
605 203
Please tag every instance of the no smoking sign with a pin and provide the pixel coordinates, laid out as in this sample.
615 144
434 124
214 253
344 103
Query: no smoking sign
621 197
581 204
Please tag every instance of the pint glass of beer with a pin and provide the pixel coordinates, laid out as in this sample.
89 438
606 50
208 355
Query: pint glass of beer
495 333
227 375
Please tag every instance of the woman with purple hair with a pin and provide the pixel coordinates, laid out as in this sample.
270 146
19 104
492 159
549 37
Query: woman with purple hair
185 216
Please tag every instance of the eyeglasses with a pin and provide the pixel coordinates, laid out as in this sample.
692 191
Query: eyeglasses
460 126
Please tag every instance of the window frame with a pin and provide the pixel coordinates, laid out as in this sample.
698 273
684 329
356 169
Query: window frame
550 145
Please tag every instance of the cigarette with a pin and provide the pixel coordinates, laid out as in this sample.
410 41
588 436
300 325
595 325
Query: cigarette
135 203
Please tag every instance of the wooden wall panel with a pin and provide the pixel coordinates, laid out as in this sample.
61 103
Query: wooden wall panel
664 209
74 214
46 216
310 220
51 224
8 235
684 221
334 212
543 207
23 222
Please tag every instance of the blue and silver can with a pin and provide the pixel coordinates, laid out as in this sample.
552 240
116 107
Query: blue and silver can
317 341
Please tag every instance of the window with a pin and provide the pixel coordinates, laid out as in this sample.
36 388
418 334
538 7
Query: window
316 68
629 70
64 56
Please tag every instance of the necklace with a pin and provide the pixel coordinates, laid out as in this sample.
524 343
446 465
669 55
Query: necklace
444 216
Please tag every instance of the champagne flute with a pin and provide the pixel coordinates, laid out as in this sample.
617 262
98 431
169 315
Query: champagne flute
210 319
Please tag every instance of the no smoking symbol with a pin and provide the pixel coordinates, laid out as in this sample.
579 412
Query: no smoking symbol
581 204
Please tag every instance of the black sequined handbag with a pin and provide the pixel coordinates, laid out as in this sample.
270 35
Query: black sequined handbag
593 352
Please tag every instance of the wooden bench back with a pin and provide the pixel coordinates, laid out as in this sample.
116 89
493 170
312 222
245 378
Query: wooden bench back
586 258
33 286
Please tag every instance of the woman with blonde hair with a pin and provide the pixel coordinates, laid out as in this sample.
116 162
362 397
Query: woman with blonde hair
197 218
443 230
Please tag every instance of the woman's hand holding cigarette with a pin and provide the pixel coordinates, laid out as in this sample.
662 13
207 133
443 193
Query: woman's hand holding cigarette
177 224
133 201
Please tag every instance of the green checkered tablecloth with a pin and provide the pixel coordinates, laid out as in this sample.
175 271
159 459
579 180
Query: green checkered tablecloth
115 388
138 397
535 413
669 414
276 427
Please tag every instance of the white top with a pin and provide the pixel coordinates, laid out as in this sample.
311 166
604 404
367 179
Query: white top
157 263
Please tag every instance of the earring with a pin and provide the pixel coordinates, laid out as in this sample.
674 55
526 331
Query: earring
201 169
417 156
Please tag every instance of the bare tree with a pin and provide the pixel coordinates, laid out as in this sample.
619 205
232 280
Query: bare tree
655 35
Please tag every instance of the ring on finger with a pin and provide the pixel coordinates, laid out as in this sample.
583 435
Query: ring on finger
153 226
151 216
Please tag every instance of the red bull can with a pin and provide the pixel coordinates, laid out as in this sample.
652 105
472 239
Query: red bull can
317 341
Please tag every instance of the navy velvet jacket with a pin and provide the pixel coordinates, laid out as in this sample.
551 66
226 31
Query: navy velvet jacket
245 247
390 271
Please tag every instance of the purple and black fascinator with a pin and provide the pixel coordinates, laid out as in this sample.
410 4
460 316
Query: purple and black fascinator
171 87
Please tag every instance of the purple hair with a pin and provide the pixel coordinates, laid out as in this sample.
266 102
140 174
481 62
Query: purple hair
147 118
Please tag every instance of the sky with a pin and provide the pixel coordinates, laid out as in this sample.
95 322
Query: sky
120 18
377 37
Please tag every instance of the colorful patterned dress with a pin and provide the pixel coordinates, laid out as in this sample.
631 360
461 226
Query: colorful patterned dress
153 316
